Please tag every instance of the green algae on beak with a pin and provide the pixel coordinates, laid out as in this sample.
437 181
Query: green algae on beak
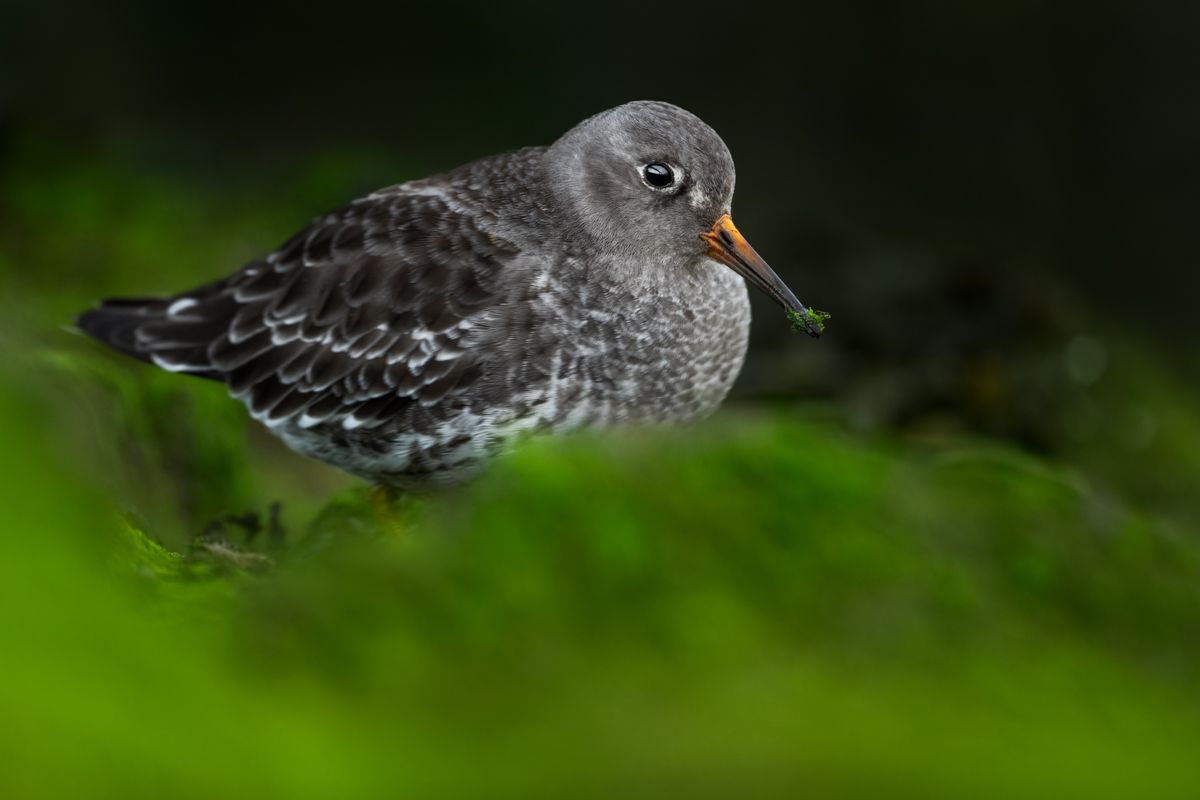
808 320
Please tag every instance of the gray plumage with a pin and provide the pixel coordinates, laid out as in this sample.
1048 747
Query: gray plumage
412 333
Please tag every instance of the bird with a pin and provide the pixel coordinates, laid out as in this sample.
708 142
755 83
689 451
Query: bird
413 334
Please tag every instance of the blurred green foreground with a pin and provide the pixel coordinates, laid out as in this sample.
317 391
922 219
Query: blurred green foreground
767 606
761 605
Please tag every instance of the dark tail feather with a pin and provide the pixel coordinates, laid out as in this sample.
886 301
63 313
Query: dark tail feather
115 323
145 329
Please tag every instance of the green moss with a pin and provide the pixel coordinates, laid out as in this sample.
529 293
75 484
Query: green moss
807 321
757 603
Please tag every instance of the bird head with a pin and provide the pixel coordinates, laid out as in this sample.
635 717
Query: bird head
653 184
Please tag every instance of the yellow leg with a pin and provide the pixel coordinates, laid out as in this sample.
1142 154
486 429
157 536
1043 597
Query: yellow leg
383 502
381 499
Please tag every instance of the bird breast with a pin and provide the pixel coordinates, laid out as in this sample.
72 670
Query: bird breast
660 351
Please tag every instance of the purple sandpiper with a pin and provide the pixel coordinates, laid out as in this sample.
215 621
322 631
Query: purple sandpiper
414 332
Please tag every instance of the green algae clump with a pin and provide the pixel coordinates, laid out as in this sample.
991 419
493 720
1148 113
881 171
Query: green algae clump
810 320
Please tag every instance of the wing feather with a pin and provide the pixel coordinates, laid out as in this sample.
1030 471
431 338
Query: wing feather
371 314
361 318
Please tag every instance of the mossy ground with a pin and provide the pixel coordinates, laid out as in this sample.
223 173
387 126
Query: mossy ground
757 605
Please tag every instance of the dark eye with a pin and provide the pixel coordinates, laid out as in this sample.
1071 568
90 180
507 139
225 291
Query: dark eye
658 175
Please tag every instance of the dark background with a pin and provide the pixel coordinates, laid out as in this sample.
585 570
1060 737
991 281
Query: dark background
1058 135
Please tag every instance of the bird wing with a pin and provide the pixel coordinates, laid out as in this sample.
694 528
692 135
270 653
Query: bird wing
358 319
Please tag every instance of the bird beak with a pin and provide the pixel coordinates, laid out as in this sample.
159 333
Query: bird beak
727 245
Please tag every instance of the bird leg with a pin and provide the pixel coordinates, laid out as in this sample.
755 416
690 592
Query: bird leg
383 501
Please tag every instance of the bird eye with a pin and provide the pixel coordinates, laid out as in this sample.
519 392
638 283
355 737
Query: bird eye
658 175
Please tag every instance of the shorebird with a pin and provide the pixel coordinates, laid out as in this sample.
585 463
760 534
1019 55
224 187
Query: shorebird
411 334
